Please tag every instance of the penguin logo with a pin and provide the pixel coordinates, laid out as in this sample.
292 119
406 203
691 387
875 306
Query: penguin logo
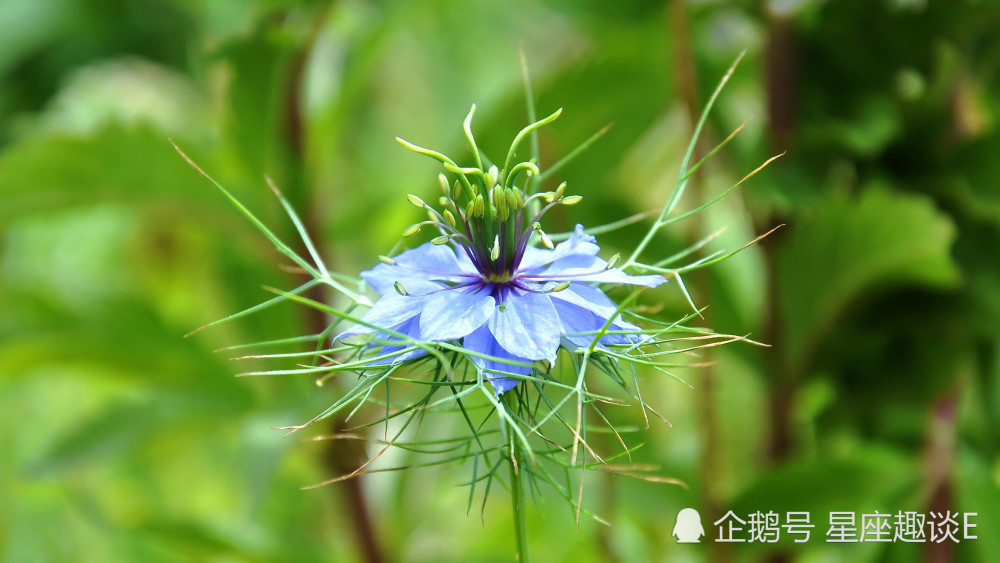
688 528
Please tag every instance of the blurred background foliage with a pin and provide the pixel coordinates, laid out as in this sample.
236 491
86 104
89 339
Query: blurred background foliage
120 440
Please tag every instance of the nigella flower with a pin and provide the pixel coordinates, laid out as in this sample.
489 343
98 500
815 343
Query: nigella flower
521 309
483 283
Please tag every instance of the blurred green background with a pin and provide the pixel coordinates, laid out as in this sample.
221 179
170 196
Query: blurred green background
121 440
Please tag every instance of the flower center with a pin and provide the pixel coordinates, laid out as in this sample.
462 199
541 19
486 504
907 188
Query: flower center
499 279
494 225
485 212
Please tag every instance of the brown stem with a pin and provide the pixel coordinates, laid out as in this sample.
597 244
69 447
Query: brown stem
940 455
780 69
686 78
779 446
781 78
684 65
783 383
341 457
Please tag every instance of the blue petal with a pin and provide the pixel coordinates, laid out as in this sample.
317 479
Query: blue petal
393 309
593 300
454 313
575 322
410 328
578 321
464 262
411 355
577 262
527 326
579 243
425 262
534 258
481 341
592 269
583 308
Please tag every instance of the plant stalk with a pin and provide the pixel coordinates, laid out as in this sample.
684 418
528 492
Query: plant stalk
523 551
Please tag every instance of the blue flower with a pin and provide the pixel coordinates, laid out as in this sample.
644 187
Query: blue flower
513 301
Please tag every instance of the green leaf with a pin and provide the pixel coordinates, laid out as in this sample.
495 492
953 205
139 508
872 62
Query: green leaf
869 479
849 249
978 492
121 164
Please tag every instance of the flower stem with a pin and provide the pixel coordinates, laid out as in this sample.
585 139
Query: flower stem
523 553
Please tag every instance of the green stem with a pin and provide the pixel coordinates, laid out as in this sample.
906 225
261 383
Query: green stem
523 553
